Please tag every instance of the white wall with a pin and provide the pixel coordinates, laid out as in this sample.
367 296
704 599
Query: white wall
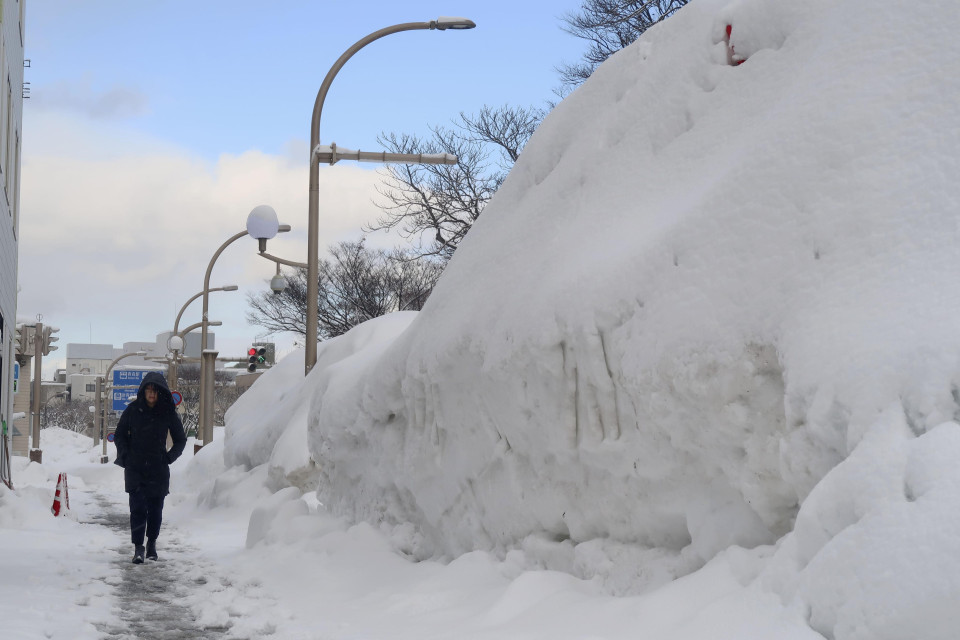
11 134
78 387
86 365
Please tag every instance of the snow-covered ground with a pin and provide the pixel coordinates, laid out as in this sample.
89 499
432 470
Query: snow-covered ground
694 374
243 562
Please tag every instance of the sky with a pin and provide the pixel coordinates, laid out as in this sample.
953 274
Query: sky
152 129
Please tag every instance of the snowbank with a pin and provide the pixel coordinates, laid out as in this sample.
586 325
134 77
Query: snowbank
269 424
712 305
694 294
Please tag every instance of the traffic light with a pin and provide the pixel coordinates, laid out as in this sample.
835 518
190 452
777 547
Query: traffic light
255 356
49 339
22 341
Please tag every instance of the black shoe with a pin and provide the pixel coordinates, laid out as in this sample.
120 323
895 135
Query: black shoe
152 550
138 555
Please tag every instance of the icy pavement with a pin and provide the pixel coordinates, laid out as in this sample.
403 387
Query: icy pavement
152 600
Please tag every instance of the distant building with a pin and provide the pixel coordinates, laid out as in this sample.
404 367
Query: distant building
191 347
12 91
88 359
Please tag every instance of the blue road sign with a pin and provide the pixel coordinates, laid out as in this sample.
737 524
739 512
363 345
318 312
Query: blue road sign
122 397
16 376
126 378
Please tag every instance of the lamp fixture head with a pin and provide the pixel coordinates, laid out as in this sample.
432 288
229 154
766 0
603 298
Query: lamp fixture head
448 22
262 222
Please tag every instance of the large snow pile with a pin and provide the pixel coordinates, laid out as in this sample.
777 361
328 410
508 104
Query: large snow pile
712 305
269 426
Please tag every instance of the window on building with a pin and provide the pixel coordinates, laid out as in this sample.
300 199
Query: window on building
91 387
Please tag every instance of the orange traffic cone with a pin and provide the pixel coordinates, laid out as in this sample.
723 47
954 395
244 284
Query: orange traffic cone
61 491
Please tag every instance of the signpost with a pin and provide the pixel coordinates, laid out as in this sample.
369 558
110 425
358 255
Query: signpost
126 382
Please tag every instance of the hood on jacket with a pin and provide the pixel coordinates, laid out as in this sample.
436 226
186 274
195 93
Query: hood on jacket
156 379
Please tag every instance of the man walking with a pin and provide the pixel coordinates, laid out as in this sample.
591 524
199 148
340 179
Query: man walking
141 440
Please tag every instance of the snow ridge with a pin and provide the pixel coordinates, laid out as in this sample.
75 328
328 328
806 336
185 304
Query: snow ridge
701 296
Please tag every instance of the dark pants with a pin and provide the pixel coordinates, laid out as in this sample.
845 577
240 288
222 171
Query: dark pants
146 513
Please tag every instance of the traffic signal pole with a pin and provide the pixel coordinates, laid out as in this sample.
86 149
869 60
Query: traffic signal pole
36 454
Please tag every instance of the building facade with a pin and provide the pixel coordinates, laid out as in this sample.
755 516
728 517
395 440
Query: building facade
89 359
11 132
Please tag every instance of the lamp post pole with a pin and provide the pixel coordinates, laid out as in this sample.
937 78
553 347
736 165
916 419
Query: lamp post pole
46 421
261 224
313 220
206 394
98 427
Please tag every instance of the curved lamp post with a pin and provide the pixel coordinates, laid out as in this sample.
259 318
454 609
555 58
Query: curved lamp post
59 394
262 225
330 155
177 348
98 427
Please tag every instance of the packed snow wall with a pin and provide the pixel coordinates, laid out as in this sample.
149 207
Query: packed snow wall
701 285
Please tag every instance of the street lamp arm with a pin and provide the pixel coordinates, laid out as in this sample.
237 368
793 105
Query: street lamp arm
176 323
197 325
342 60
206 277
289 263
99 418
331 154
206 285
126 355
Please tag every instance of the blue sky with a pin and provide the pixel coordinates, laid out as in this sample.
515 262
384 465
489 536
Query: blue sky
224 76
153 128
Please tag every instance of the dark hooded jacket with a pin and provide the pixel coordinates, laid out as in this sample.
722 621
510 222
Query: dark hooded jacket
141 439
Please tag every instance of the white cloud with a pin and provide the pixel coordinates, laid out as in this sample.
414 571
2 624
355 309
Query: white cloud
117 228
81 96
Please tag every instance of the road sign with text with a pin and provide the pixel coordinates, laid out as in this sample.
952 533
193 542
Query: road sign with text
130 378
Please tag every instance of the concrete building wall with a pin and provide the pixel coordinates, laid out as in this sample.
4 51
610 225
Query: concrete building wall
21 404
12 14
88 358
191 342
82 386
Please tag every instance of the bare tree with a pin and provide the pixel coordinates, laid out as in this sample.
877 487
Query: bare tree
506 127
439 203
72 416
609 26
188 384
356 283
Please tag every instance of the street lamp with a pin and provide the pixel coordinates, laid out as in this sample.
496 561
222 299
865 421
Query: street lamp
262 225
172 344
59 394
99 422
313 224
